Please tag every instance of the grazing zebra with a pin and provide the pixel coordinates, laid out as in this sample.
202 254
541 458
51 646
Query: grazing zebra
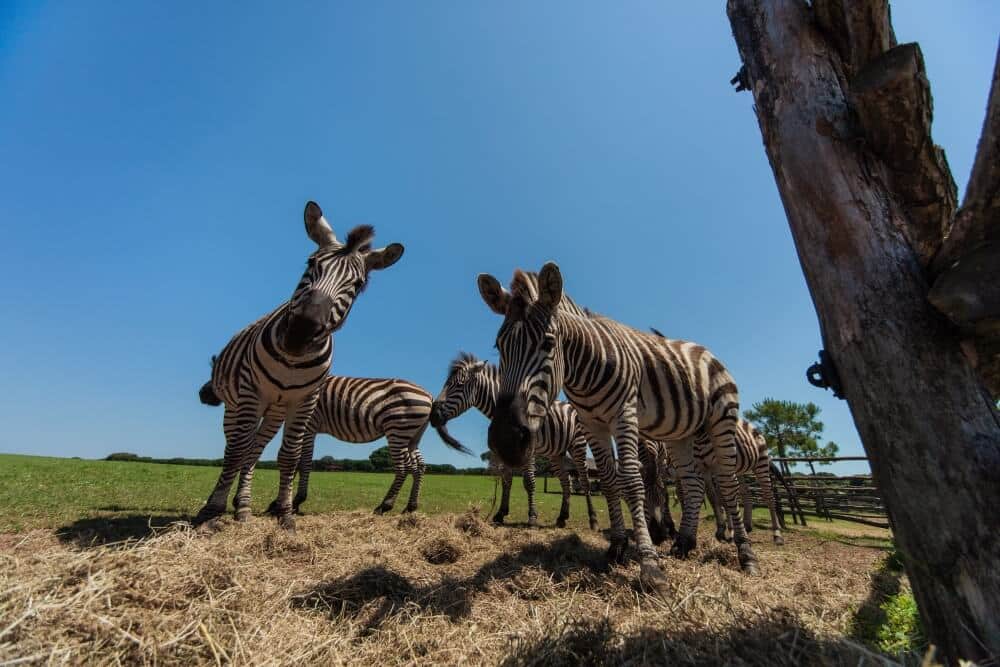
752 457
623 383
271 372
474 383
359 410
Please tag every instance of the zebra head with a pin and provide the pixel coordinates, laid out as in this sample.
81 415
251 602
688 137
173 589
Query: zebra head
335 274
466 379
531 364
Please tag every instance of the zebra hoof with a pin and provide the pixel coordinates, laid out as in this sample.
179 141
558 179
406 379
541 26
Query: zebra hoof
532 522
616 552
409 509
207 515
498 519
561 522
779 540
653 580
683 545
656 532
287 522
720 536
748 560
593 523
272 509
243 514
382 509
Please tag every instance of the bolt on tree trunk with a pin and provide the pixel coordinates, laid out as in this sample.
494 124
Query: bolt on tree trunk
931 431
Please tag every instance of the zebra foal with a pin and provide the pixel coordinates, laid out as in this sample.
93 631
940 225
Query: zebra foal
474 383
271 372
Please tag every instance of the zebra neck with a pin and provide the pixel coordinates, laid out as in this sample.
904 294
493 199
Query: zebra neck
577 339
486 396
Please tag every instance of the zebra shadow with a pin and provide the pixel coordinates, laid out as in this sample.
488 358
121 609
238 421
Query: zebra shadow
778 637
106 530
453 597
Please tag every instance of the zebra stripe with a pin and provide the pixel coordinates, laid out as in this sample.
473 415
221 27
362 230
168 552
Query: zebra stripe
362 410
752 457
271 371
623 383
475 383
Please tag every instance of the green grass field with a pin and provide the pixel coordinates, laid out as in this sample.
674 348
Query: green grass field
39 492
73 494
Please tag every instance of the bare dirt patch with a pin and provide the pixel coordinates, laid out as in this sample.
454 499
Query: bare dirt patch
352 588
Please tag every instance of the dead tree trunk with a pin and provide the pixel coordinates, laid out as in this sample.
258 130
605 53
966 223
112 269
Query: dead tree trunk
930 429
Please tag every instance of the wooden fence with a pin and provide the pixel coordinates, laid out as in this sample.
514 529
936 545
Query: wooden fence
818 494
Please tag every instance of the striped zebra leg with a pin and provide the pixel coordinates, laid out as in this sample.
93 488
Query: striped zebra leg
747 506
305 468
627 443
567 489
654 502
722 433
240 426
579 454
269 425
762 472
528 479
399 451
297 425
722 519
506 479
691 491
599 441
417 467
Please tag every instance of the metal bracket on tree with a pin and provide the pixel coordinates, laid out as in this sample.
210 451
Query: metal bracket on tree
823 374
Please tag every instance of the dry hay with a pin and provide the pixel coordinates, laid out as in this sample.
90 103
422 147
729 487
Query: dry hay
354 588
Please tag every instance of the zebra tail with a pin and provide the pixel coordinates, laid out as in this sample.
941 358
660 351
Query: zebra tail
208 396
450 441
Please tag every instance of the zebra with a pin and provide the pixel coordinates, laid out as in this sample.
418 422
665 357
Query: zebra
358 410
271 372
474 383
623 383
752 457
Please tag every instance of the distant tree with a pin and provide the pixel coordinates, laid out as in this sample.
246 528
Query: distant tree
326 463
122 456
791 429
380 459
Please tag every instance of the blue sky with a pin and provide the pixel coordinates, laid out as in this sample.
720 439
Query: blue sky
155 159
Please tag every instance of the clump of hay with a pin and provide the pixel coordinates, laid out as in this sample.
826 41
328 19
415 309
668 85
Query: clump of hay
440 550
350 588
470 523
409 521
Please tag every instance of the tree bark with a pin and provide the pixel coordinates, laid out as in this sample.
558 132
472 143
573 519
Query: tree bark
967 267
930 430
892 99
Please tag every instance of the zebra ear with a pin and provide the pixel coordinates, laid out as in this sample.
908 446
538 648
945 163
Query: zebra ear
318 229
550 285
479 367
383 258
493 293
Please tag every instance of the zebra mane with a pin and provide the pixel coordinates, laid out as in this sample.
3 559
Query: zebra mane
463 359
567 305
359 238
657 332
